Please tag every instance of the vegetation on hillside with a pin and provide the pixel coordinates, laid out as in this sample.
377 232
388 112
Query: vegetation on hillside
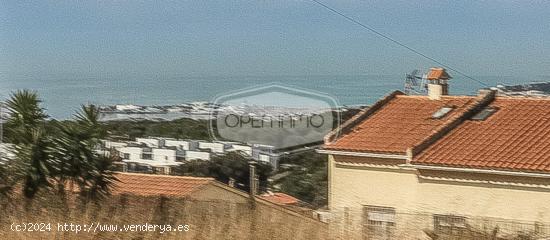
307 178
181 128
233 165
62 150
53 155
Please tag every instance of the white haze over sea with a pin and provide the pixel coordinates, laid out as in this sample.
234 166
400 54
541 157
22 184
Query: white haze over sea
63 95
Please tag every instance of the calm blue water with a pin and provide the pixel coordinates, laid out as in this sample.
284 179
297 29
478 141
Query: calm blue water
63 95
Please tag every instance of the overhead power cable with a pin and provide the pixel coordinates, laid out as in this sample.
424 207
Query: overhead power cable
371 29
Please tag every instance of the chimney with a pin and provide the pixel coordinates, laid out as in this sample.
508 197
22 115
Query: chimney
231 182
438 83
253 179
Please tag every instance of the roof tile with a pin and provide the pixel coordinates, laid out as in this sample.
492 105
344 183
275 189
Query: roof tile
516 137
401 123
150 184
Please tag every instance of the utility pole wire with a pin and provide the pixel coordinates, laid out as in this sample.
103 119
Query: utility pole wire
398 43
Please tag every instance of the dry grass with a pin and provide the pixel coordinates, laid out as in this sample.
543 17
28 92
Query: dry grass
206 220
228 220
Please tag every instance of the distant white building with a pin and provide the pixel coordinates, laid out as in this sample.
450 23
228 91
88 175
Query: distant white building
110 144
215 147
127 107
130 153
166 155
241 148
160 154
197 155
181 144
266 154
151 142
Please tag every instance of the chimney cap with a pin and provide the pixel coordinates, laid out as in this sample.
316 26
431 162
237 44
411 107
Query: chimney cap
438 74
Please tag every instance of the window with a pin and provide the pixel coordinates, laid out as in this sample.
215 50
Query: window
450 224
126 156
442 112
379 221
484 114
147 156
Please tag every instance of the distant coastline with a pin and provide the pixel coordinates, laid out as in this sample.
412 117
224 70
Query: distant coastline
198 111
62 96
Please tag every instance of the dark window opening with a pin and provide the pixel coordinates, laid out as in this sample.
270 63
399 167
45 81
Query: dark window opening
450 224
484 114
441 113
379 222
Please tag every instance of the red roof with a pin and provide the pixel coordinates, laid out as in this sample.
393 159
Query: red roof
279 198
150 184
515 137
399 124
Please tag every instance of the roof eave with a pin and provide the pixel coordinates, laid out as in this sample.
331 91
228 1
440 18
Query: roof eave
362 154
479 170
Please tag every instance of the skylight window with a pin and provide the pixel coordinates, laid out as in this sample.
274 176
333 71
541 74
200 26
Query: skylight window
484 114
442 112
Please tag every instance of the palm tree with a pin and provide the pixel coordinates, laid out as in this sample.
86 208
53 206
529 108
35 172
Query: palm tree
79 163
35 162
100 180
25 116
88 117
64 152
101 177
5 179
25 128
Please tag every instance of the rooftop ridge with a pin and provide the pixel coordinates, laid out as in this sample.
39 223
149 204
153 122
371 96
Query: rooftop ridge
165 176
483 100
525 97
443 97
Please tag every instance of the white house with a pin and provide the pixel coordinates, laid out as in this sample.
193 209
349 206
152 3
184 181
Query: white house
110 144
453 165
242 148
164 155
151 142
215 147
130 153
197 155
181 144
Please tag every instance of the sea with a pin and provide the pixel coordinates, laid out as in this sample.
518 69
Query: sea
62 95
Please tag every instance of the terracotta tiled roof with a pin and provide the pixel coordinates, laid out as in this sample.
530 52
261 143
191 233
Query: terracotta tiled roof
438 73
515 137
279 198
399 124
150 184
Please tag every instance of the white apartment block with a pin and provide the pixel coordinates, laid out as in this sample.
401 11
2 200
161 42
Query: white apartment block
152 154
214 147
196 155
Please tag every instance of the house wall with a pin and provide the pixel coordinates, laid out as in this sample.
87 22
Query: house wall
352 187
150 142
184 145
214 147
192 155
111 144
164 155
135 152
243 148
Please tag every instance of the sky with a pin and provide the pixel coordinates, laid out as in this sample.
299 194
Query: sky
271 37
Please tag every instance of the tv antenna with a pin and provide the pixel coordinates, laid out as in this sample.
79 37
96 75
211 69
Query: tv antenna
415 83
